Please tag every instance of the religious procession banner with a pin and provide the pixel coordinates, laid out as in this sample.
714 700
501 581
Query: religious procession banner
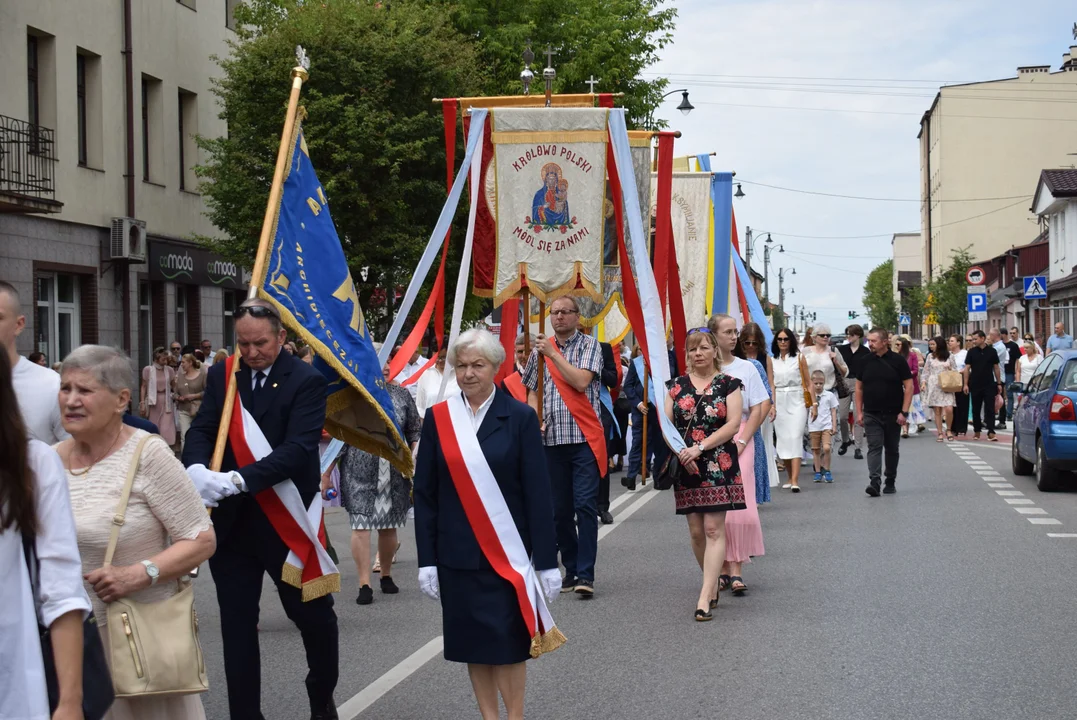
691 217
547 193
609 317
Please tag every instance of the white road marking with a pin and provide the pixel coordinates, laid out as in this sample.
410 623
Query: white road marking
1030 510
1000 485
1044 521
1062 535
375 690
979 464
987 472
1019 501
407 667
1005 493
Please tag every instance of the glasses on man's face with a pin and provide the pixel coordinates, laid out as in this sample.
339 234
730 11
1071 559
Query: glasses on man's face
258 311
558 313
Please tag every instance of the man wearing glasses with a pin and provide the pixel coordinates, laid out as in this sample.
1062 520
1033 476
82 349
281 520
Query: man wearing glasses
176 350
572 452
286 398
207 352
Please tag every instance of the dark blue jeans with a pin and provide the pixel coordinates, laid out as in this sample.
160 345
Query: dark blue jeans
656 446
574 483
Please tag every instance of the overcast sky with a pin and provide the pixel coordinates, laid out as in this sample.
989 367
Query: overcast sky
885 59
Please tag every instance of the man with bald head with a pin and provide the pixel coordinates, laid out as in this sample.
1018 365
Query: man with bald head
36 387
286 398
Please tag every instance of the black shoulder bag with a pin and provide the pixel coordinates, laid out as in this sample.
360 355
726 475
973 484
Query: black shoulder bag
671 470
97 692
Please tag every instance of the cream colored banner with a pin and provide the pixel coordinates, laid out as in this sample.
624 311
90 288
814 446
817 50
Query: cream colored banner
550 182
691 232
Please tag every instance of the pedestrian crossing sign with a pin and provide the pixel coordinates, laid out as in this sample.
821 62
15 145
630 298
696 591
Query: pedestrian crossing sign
1035 287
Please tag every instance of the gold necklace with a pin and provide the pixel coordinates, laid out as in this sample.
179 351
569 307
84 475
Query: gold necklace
99 459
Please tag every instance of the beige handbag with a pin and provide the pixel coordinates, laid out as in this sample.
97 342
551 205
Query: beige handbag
153 647
950 381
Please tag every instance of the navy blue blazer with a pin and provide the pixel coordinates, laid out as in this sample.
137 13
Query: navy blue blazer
510 440
290 410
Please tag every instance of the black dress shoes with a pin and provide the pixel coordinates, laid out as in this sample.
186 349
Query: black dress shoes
858 455
629 481
843 449
605 517
327 713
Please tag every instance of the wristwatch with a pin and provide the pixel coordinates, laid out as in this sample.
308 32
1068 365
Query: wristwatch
152 570
699 446
742 442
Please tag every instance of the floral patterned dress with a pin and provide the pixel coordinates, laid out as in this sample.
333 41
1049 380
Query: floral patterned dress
717 487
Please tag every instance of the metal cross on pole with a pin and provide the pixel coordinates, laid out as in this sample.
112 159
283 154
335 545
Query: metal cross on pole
592 82
549 74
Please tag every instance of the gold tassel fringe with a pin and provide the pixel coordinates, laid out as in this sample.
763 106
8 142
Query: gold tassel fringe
547 643
316 588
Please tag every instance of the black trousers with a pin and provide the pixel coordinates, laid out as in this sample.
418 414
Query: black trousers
882 432
961 414
983 399
249 550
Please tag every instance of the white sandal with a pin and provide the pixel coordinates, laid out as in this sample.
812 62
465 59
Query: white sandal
787 486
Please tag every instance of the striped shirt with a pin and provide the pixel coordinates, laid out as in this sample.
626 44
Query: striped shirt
581 351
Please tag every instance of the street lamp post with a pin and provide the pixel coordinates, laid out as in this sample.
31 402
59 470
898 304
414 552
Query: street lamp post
766 265
781 288
685 107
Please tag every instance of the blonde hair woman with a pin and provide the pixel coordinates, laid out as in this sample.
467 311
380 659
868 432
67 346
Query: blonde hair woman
1028 362
189 385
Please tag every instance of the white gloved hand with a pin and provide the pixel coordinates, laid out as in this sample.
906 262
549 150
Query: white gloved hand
428 582
211 486
551 583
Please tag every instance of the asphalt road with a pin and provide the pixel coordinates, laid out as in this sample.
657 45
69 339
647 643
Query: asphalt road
950 599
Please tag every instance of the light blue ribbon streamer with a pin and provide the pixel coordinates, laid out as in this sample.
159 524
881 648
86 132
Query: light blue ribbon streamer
645 283
606 399
331 451
637 363
722 199
448 212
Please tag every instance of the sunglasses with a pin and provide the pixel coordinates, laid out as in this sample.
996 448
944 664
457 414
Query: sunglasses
783 339
822 334
749 343
258 311
693 331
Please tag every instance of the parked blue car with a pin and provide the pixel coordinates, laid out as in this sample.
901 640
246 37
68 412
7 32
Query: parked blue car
1045 422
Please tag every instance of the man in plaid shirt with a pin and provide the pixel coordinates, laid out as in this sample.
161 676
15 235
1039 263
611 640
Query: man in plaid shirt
573 471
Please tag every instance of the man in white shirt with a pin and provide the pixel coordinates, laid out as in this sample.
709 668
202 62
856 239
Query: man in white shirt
36 388
415 363
430 384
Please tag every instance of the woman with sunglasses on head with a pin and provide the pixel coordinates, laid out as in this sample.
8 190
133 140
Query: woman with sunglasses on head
791 411
705 407
752 347
743 533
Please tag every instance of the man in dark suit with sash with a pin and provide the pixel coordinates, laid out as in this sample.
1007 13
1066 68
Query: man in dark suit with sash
285 397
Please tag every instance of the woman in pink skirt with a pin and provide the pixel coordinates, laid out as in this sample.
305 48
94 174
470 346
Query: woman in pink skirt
743 533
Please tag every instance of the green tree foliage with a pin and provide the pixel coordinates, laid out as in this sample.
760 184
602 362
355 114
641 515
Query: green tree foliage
879 295
950 290
614 40
373 134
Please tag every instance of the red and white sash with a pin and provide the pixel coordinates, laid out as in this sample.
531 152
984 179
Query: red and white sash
514 384
582 411
308 566
491 521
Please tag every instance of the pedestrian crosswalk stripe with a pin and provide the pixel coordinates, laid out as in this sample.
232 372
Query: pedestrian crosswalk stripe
1044 521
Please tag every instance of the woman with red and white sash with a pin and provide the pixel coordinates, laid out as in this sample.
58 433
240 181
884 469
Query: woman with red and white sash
484 527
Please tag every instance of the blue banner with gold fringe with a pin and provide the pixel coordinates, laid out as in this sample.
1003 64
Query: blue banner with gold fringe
307 279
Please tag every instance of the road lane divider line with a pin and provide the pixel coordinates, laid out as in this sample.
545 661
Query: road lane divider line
1043 521
1019 501
1005 493
1031 510
1062 535
373 692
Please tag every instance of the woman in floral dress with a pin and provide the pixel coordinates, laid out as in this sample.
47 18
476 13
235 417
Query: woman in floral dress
699 404
934 397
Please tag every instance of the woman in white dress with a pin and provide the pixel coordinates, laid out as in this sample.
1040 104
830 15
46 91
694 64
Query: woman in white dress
1027 363
942 402
791 414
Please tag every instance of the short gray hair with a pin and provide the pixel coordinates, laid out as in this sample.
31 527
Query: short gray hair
482 342
820 329
523 337
110 366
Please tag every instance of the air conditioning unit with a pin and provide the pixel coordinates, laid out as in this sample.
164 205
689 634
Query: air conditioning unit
128 240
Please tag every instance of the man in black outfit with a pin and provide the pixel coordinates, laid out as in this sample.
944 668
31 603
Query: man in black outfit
852 353
883 395
608 378
982 380
286 397
1009 373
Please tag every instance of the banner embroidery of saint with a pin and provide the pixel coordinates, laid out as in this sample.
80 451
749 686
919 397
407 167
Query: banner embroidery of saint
549 195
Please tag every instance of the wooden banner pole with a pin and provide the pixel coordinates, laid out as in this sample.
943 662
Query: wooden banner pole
540 377
646 404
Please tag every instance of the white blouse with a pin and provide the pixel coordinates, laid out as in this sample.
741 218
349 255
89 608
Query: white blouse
22 683
821 361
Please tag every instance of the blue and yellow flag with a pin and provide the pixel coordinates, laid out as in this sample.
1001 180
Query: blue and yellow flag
307 279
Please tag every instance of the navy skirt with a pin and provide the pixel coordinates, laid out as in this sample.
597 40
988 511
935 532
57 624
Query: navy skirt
481 618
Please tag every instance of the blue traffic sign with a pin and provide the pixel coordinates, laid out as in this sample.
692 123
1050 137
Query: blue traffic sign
977 302
1035 287
904 319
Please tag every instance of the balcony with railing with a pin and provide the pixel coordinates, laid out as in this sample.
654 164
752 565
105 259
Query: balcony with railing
27 168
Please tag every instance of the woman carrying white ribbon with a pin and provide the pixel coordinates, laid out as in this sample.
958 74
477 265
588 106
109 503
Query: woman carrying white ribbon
484 527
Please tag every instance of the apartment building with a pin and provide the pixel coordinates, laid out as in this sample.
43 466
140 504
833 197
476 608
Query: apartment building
100 103
905 250
982 147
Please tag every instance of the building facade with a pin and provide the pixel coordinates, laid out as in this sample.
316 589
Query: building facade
1055 203
982 146
100 103
906 252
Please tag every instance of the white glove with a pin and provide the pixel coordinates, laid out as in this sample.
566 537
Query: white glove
428 582
551 583
212 486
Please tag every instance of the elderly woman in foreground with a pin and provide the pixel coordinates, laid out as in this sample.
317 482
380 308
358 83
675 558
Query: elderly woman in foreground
484 527
166 531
